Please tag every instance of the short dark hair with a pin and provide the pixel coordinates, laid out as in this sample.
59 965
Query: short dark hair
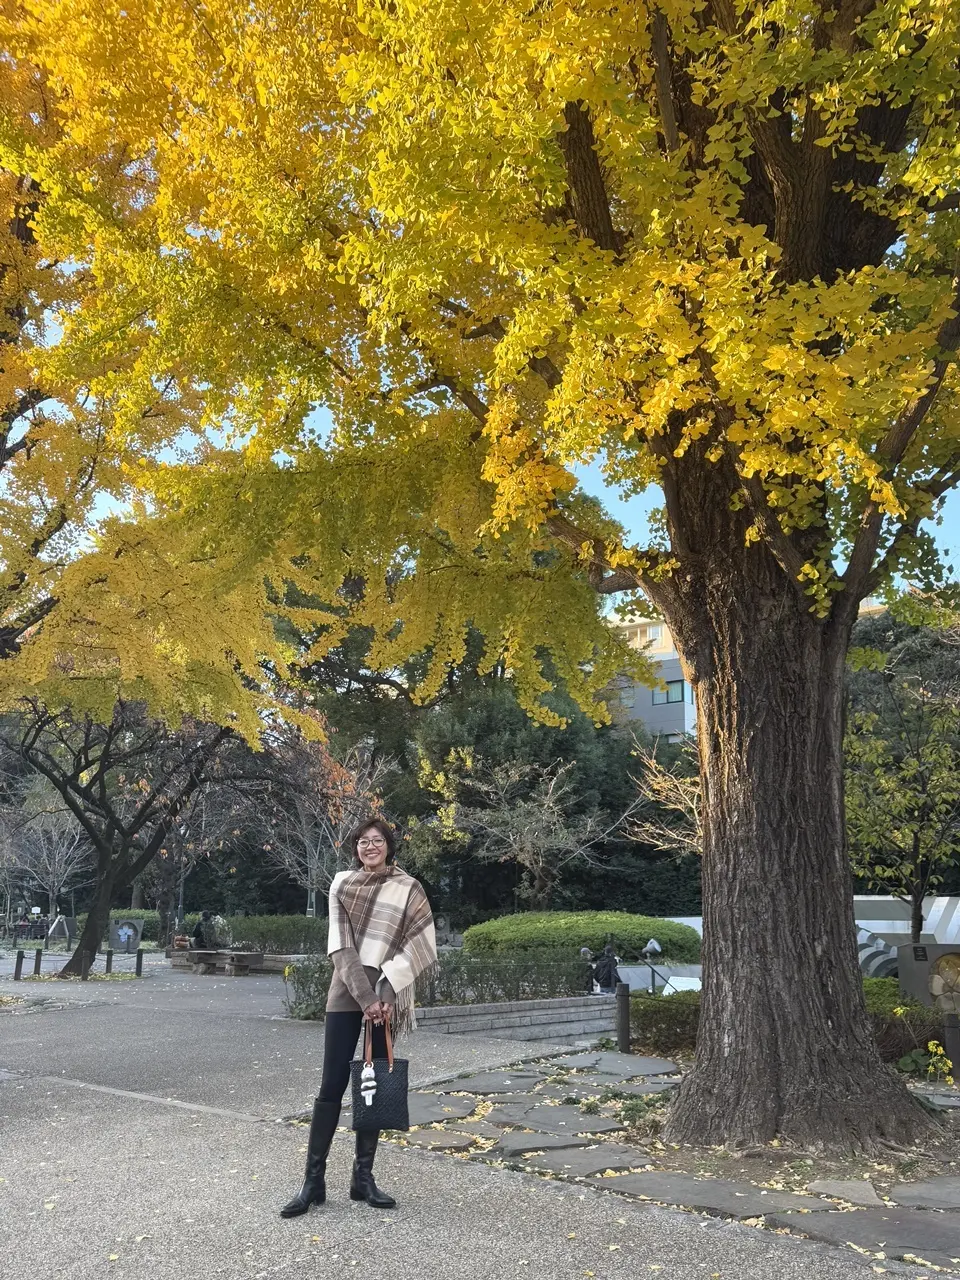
385 830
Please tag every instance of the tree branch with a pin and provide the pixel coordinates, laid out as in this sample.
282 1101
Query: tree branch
589 203
890 452
660 47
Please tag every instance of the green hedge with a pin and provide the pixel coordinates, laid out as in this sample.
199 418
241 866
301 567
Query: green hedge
151 921
460 979
275 935
468 979
280 935
571 930
668 1024
306 985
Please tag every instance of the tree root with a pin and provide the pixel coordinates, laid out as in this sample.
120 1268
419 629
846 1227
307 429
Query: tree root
915 1153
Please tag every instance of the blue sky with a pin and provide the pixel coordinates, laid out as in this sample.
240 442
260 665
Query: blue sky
632 512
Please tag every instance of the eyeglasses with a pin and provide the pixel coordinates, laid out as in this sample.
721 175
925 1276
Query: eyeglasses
377 842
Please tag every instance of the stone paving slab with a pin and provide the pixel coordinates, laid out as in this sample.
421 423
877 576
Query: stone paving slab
711 1195
435 1140
475 1128
547 1119
857 1191
941 1097
520 1144
490 1082
932 1237
934 1193
587 1162
625 1065
428 1108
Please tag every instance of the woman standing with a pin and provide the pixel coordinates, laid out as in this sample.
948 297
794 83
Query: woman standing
381 939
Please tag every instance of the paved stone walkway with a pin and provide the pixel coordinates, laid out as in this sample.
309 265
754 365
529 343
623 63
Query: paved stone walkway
533 1118
139 1136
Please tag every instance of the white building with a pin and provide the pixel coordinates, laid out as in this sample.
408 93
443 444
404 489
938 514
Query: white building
668 712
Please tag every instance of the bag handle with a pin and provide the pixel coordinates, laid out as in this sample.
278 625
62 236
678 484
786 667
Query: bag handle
368 1043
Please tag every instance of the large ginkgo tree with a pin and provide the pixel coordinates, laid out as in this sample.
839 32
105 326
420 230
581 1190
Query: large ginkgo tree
713 243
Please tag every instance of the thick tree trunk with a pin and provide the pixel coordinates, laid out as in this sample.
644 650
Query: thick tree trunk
785 1047
136 895
96 925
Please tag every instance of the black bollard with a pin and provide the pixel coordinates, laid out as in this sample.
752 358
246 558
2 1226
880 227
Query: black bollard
18 968
139 965
85 966
37 961
108 965
623 1017
951 1039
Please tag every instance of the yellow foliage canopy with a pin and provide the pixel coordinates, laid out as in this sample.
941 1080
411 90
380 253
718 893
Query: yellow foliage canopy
713 244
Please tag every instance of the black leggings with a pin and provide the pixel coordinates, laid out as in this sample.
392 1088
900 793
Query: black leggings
341 1031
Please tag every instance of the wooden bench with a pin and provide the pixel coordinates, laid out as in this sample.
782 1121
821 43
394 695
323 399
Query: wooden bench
204 961
235 963
240 963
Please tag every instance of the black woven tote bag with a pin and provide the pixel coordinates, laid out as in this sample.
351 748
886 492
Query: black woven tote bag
379 1087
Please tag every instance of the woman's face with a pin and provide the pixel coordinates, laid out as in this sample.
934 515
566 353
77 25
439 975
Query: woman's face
372 850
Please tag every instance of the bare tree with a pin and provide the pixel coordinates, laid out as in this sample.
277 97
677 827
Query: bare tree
52 852
126 783
319 795
669 796
521 813
11 877
215 816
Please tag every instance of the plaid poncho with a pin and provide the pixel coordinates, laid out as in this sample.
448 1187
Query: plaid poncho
387 920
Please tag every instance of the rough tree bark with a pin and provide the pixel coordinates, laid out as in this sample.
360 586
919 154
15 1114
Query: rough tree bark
785 1047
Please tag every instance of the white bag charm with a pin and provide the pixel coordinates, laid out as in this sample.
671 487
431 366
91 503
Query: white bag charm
368 1083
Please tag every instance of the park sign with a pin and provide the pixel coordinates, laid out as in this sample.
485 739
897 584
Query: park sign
125 935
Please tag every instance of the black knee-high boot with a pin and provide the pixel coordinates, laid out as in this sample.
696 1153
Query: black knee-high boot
362 1185
314 1190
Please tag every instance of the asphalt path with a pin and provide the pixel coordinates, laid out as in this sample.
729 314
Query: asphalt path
141 1134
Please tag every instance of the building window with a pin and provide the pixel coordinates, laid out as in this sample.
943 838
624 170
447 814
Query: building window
672 693
649 633
628 698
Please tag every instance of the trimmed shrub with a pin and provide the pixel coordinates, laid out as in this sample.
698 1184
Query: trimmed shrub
668 1024
490 979
274 935
459 980
306 985
280 935
899 1033
570 930
151 921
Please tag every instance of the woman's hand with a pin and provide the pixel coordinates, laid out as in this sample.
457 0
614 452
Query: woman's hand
387 1011
373 1012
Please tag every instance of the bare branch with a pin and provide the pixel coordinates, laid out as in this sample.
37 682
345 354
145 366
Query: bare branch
670 798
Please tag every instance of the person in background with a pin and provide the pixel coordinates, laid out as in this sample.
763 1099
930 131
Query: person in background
605 971
202 931
586 955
